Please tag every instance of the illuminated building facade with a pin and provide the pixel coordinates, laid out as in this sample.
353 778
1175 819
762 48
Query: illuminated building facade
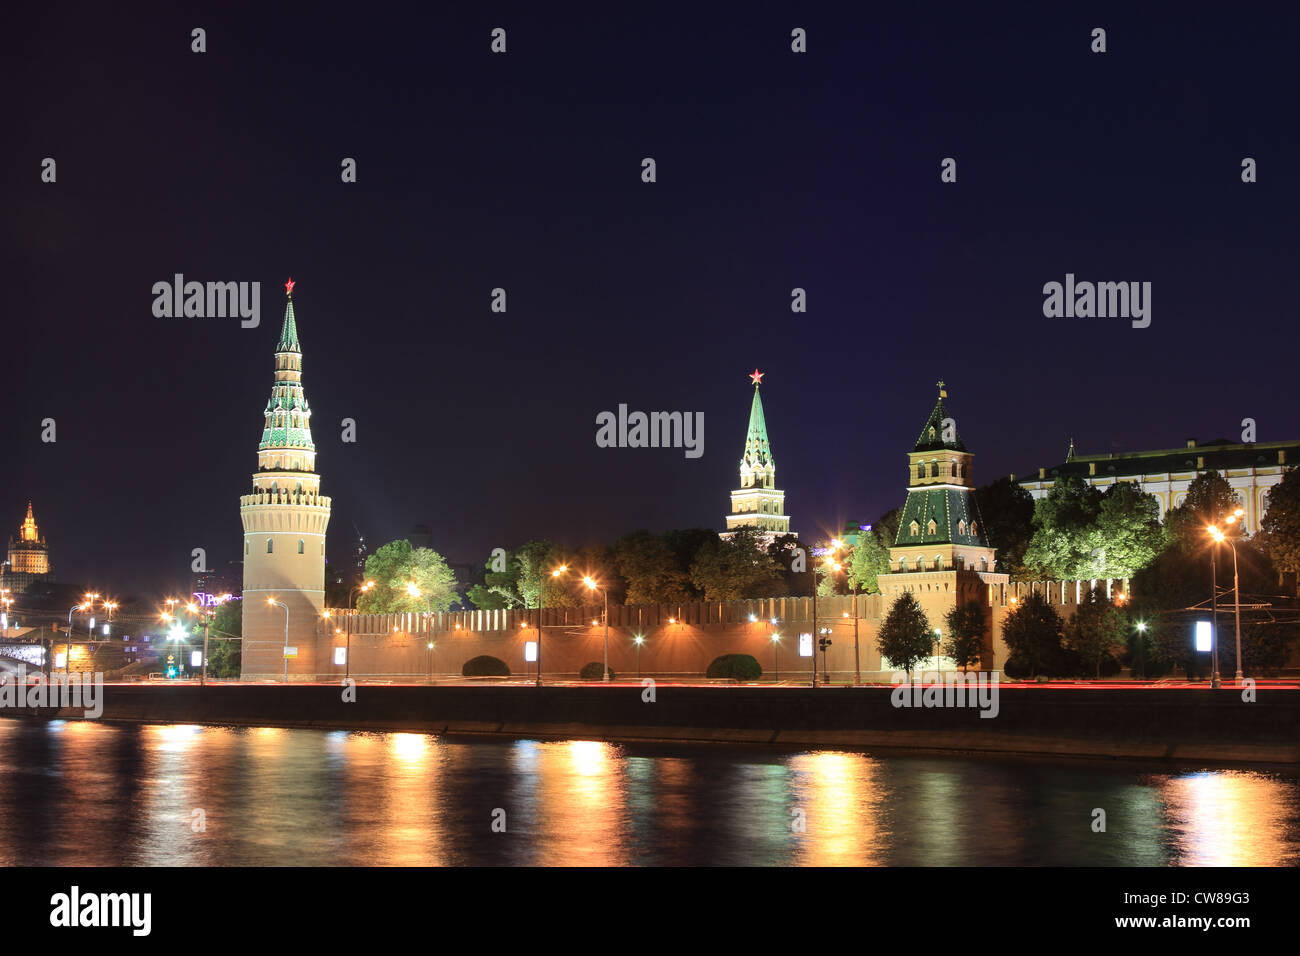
284 519
29 558
1252 469
758 503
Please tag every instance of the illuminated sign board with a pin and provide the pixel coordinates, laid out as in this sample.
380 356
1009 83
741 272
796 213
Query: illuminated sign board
530 652
340 656
291 653
805 645
1203 639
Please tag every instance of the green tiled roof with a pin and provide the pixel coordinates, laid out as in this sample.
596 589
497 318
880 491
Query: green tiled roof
931 437
758 452
289 332
947 507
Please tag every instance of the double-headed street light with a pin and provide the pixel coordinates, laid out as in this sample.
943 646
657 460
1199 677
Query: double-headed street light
591 584
541 589
358 590
1219 537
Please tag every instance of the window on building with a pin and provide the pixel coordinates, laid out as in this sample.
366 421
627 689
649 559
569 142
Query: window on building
300 547
270 545
931 528
961 526
934 469
914 528
245 547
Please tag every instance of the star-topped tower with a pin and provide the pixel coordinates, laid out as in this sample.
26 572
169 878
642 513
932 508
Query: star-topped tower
284 524
757 503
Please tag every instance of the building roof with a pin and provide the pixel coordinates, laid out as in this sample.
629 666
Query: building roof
931 437
1218 455
948 507
758 451
289 331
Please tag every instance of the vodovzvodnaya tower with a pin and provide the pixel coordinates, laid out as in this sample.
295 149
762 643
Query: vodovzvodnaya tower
284 527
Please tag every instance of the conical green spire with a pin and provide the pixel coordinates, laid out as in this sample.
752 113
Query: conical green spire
932 436
757 450
289 331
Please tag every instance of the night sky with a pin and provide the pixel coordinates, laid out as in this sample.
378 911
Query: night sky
523 171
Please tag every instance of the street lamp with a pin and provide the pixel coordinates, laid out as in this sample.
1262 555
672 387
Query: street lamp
358 590
1219 537
413 590
853 581
776 663
638 641
274 603
593 586
67 653
541 586
938 635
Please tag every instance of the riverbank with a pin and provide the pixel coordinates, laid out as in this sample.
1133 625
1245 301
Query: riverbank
1175 724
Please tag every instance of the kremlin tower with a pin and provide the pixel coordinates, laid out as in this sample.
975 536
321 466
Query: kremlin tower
284 527
757 503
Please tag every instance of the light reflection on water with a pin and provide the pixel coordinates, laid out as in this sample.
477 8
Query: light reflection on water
98 794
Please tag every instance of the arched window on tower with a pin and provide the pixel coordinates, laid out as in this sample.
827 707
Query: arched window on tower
270 546
920 469
934 469
952 470
245 547
300 547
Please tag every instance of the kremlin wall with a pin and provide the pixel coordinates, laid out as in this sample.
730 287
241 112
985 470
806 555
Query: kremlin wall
680 640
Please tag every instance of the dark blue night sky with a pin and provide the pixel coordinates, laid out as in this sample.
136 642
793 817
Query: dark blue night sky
523 171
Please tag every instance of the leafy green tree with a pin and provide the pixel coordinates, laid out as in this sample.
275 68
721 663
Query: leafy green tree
867 562
1008 513
1128 530
1097 630
223 653
1209 500
886 527
650 568
1280 537
396 564
1064 541
1032 633
686 545
500 588
966 633
791 559
905 637
732 569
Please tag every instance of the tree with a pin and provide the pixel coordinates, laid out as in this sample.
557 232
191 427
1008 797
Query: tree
966 630
224 655
730 570
1097 630
686 544
1280 537
1032 633
886 527
1008 514
1063 544
397 564
1128 530
1209 499
905 635
650 568
868 561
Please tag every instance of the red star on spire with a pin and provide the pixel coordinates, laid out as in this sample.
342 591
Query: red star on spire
757 377
288 288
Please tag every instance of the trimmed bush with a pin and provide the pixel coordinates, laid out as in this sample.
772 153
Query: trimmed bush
485 665
735 666
595 671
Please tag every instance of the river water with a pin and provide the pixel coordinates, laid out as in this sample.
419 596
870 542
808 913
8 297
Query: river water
80 792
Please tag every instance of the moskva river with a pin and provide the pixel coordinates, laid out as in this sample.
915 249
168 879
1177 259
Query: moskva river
98 794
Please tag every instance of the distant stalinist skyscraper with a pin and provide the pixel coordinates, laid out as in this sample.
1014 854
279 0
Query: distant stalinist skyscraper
284 526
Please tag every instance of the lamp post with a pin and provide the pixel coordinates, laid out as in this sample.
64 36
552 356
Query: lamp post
1219 537
776 663
67 652
592 585
285 608
541 584
638 641
358 591
1142 647
938 635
